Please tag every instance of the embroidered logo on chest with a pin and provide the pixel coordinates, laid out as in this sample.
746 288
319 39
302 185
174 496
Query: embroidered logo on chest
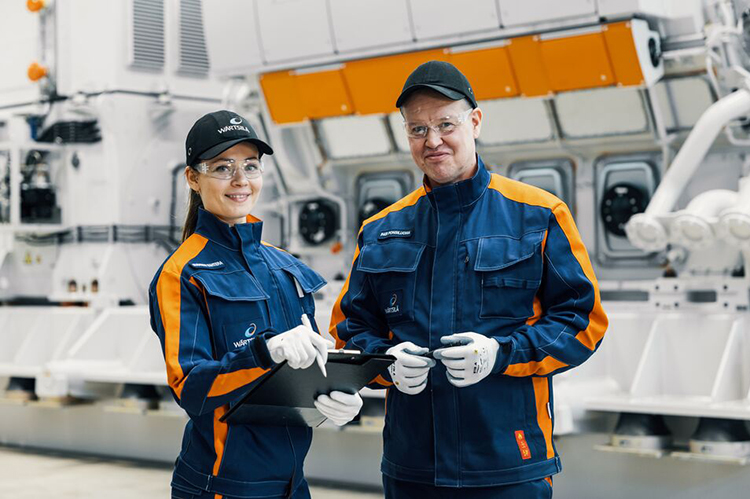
393 308
249 332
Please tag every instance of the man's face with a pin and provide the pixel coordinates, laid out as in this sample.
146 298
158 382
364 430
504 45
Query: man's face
444 158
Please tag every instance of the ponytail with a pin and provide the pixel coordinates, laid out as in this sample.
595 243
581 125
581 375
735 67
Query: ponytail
191 217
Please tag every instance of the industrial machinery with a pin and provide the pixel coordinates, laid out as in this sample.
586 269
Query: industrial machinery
634 112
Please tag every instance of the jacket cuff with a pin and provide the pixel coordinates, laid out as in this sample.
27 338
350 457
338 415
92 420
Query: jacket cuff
504 353
261 353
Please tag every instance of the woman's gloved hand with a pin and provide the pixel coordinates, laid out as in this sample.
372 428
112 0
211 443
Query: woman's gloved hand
299 347
470 360
339 407
409 372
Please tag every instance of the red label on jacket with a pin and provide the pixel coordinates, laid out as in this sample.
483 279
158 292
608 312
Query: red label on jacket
522 445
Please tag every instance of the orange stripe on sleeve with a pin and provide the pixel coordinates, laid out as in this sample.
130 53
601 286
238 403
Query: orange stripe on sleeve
227 383
337 315
541 394
522 193
546 366
544 241
537 302
220 437
537 312
597 318
382 381
169 296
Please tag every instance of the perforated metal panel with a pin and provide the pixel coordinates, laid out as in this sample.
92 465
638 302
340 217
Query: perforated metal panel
147 34
193 53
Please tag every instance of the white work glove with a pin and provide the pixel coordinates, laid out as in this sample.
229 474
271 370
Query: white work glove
471 360
299 347
339 407
409 372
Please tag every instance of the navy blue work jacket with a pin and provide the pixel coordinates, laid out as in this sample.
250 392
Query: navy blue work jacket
213 304
488 255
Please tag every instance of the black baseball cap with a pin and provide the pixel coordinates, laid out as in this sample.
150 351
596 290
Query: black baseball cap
216 132
442 77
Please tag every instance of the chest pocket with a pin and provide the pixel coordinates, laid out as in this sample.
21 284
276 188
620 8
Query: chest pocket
305 282
392 269
510 272
238 307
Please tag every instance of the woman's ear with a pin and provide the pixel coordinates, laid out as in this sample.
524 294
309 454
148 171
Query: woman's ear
192 179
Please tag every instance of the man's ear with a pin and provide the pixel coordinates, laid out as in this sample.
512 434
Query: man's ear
476 121
192 179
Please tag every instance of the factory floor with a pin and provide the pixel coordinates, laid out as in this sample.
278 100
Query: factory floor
32 474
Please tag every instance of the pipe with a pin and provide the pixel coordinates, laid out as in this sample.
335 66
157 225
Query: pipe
644 230
692 226
694 149
734 222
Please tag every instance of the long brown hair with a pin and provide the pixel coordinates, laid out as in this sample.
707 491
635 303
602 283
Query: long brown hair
191 217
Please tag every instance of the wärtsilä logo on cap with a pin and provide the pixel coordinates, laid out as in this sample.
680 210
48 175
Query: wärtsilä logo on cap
235 124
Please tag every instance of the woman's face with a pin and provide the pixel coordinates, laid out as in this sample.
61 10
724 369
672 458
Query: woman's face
230 200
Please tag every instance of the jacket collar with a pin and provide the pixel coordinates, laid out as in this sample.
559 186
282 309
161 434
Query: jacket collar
466 191
209 226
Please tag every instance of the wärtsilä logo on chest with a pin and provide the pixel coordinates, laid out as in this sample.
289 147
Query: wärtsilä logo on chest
393 309
249 332
394 233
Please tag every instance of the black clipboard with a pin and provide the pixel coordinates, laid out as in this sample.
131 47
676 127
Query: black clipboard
285 396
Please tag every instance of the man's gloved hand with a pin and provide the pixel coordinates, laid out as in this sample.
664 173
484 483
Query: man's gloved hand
409 372
339 407
471 360
299 347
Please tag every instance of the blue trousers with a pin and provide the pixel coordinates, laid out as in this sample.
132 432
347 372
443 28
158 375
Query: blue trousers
399 489
181 489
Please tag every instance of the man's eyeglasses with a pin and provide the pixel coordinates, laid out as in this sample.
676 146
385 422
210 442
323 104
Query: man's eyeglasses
442 126
226 169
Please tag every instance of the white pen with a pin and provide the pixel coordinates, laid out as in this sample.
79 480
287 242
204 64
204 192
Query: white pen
318 355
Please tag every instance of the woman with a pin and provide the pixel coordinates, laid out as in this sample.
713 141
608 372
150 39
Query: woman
226 308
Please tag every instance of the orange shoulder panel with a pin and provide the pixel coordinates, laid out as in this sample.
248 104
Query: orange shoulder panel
523 193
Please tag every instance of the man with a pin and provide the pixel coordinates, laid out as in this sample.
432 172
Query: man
488 276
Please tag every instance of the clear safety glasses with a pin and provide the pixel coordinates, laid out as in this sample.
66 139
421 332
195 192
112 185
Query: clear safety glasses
442 126
226 169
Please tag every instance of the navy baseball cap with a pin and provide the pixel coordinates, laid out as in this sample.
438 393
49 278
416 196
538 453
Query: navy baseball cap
216 132
442 77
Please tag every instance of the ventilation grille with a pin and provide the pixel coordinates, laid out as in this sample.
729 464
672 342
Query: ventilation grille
148 34
193 53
